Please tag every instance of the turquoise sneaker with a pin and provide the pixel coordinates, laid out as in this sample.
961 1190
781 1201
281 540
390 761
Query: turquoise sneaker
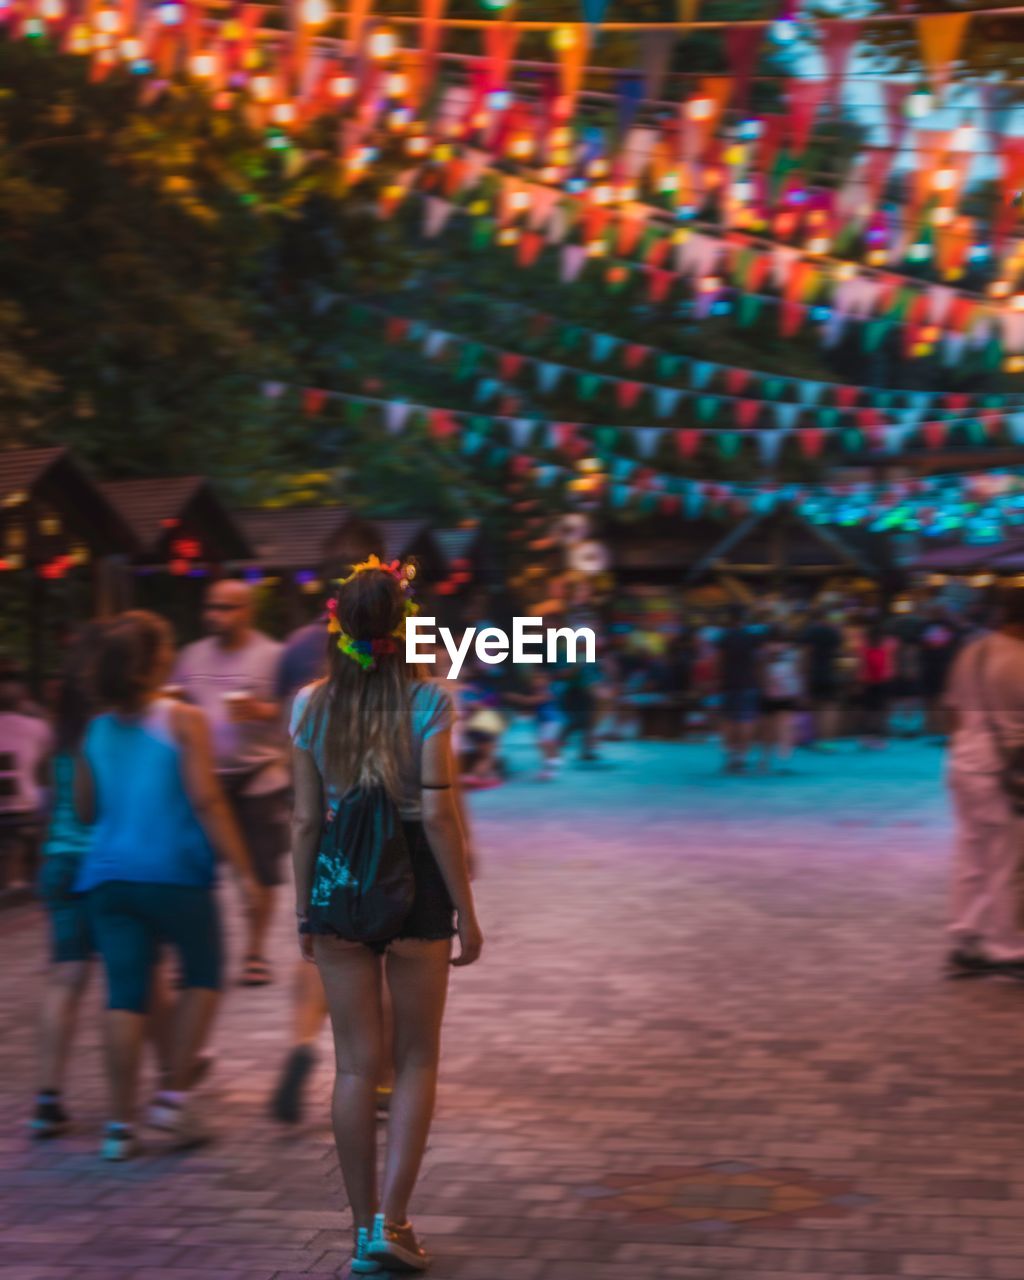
362 1264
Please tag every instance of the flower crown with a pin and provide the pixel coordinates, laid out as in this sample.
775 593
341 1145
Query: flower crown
366 652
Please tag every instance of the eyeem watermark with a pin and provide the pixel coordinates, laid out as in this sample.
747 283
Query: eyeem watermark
530 641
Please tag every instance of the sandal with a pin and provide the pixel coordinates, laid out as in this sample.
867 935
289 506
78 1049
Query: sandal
255 972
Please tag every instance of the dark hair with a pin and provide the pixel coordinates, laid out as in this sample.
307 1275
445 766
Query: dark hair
12 685
363 716
76 694
1011 605
127 656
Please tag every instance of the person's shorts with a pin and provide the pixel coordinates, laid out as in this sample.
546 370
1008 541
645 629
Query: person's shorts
132 921
263 821
773 705
742 706
70 931
432 916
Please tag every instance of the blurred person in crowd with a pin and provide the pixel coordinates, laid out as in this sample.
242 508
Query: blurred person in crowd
483 726
145 778
303 660
876 671
539 700
232 675
739 678
907 707
26 742
823 643
782 689
371 724
985 707
940 641
67 840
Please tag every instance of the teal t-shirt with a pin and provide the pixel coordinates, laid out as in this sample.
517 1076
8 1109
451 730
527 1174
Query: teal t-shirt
430 711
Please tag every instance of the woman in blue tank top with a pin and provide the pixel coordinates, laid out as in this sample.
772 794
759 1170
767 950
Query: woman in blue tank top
67 840
145 780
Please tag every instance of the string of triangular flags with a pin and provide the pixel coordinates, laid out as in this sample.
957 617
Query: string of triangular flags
577 439
888 427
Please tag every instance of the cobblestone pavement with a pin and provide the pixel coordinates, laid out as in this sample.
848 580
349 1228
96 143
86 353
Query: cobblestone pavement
708 1039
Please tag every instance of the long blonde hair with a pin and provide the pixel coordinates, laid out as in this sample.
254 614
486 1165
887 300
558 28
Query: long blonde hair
360 716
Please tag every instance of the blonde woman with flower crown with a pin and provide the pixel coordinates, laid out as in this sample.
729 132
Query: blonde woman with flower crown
371 723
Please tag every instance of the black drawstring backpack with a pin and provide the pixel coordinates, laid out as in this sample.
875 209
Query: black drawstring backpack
363 883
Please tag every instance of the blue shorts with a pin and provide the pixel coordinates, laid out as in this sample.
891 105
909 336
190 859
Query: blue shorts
741 706
131 921
70 931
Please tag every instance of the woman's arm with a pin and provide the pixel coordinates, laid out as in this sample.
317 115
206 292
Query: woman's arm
84 791
447 837
307 821
206 794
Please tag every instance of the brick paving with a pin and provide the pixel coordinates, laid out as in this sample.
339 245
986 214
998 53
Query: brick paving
708 1040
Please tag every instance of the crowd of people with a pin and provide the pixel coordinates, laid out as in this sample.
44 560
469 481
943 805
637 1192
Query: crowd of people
160 767
157 766
767 677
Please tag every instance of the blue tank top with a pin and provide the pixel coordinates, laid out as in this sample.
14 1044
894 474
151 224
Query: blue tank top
146 830
66 837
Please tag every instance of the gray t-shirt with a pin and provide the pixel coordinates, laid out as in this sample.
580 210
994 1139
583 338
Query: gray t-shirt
986 689
207 671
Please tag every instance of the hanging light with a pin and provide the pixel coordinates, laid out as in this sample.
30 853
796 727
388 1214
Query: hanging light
342 87
315 12
108 21
203 66
918 104
52 10
382 44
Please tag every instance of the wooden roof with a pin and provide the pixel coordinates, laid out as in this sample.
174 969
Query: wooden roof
306 537
52 475
782 541
155 507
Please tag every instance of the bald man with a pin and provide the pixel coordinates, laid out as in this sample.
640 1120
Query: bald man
232 676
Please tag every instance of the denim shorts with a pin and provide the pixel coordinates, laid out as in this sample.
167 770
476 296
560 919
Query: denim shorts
71 935
131 921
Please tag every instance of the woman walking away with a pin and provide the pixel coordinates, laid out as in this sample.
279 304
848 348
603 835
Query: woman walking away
66 842
145 777
380 871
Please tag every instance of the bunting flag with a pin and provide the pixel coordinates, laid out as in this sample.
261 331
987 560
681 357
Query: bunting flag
742 46
837 41
941 36
594 11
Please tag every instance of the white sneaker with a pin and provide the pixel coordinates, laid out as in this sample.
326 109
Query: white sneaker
181 1121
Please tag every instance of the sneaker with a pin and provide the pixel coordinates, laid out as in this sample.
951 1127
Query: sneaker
179 1120
119 1142
395 1246
362 1264
286 1102
49 1119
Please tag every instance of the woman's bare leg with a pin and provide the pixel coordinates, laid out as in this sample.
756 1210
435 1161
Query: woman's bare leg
65 984
352 980
417 973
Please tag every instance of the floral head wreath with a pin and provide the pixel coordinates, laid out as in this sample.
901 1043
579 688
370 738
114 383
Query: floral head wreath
366 652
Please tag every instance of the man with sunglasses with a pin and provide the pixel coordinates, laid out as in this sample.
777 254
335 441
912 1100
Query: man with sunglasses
232 676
